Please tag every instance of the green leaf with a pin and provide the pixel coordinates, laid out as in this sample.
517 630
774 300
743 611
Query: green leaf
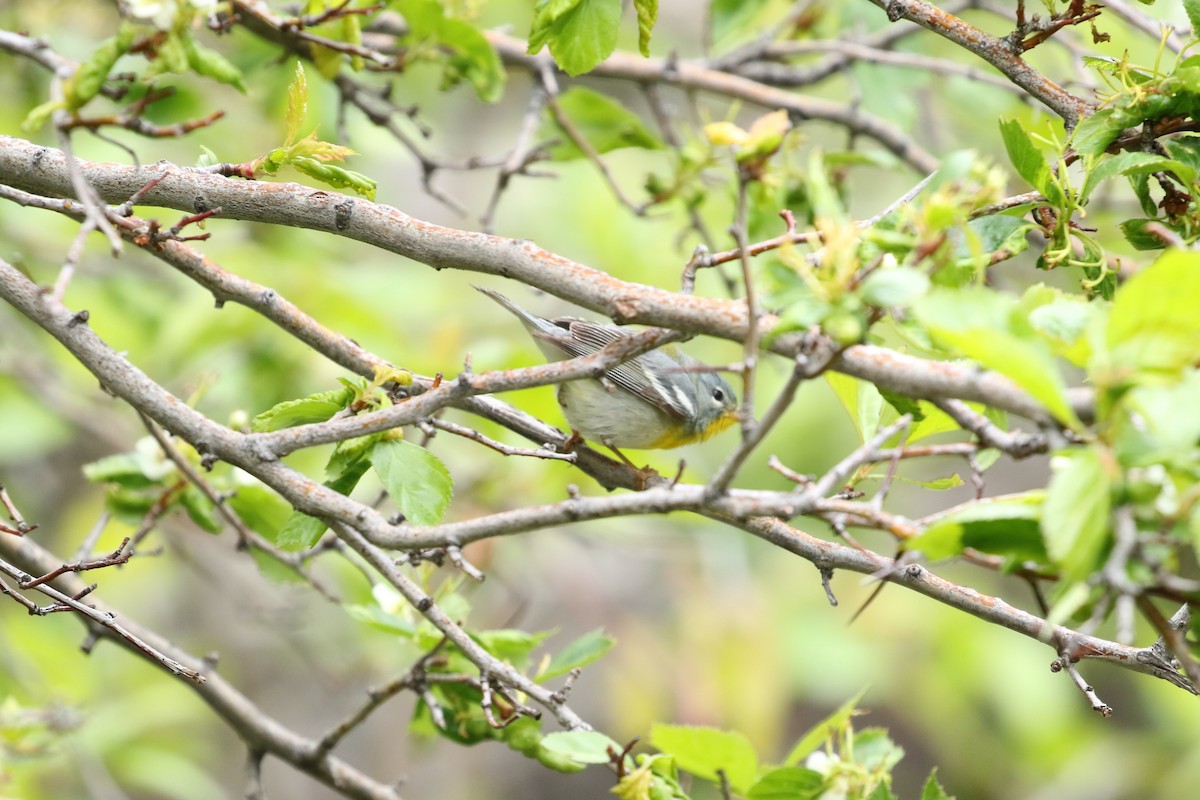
473 58
301 531
1134 231
647 15
335 176
1162 416
459 46
351 455
314 408
1153 324
1136 163
882 792
582 747
1095 133
894 287
1075 517
906 405
511 644
862 402
210 63
124 469
416 480
933 790
704 751
937 484
92 72
875 750
603 122
731 18
1024 155
787 783
263 511
200 509
382 620
1006 525
1192 7
817 734
579 653
297 105
579 33
38 117
1063 321
997 232
982 325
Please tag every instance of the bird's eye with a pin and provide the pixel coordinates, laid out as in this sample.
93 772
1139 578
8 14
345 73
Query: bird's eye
719 395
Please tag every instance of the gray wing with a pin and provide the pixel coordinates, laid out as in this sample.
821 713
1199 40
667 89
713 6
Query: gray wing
636 376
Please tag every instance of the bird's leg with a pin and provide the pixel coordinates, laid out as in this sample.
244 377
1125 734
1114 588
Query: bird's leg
644 474
573 441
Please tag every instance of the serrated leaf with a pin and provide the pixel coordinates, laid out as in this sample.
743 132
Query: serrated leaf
545 16
637 784
703 751
827 727
582 747
579 653
297 105
300 532
1075 517
874 750
1135 232
416 480
314 408
322 151
579 33
932 789
997 232
1130 164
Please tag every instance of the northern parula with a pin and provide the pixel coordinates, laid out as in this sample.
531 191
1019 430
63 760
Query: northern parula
654 401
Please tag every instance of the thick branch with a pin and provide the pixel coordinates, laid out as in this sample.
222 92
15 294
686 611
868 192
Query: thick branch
1000 53
43 171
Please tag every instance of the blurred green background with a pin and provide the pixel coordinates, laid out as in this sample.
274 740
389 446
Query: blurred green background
713 627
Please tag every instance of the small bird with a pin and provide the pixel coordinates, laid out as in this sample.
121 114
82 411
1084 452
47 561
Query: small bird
657 400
